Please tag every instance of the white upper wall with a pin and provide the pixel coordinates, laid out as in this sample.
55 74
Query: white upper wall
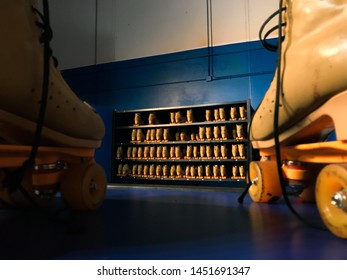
73 24
145 28
88 32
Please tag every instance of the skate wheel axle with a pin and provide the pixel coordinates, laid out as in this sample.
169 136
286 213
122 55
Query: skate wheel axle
339 200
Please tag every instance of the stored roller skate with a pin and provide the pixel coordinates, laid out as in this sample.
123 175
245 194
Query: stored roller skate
48 135
305 102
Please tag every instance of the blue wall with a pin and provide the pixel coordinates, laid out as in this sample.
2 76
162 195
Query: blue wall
208 75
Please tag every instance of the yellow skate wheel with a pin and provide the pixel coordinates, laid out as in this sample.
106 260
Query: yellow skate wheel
331 198
83 186
265 181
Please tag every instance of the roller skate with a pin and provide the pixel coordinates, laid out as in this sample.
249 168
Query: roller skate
305 103
48 136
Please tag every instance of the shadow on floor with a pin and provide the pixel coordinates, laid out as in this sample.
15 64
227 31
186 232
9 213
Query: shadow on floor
148 223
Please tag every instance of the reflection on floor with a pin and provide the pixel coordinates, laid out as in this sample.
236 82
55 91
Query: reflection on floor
156 223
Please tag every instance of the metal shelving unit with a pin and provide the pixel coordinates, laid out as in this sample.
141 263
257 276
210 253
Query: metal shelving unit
201 144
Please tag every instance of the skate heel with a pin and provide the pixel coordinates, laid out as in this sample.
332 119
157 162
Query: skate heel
335 108
328 117
316 126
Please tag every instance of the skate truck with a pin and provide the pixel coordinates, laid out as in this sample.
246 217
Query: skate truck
320 167
70 171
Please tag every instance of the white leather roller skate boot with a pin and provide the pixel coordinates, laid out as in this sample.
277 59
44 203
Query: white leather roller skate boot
305 102
47 134
68 120
313 67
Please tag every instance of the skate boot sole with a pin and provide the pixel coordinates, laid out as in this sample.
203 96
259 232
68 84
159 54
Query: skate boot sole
315 126
20 131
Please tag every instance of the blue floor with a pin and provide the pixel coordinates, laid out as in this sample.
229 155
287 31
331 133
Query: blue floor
158 223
